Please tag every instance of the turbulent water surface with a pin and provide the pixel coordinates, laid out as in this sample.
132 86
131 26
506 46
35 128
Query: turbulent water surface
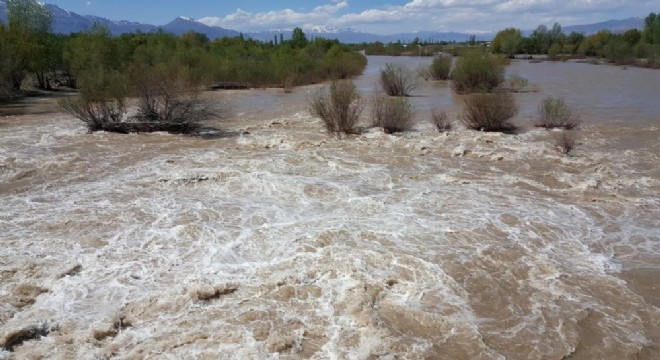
272 239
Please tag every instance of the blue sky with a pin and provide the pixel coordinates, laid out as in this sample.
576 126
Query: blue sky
389 16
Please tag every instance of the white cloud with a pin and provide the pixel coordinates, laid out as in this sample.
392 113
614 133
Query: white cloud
286 18
439 15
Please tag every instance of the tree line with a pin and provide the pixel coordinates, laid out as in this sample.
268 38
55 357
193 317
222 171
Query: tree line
631 46
30 52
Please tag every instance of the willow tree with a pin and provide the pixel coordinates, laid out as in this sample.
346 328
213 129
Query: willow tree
651 32
26 38
507 41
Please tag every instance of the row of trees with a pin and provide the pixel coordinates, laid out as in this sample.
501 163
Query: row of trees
24 44
618 48
95 59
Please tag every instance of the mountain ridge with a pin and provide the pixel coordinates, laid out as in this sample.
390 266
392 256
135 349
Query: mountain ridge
66 22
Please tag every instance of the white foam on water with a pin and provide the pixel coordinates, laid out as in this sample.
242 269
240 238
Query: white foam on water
287 241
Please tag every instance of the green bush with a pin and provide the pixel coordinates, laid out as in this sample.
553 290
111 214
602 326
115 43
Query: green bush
339 106
166 94
555 113
102 99
619 52
516 83
477 72
490 112
396 80
392 114
441 67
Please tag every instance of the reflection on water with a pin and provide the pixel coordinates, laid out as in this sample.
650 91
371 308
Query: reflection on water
284 240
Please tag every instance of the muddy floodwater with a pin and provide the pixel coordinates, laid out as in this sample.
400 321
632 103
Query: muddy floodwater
269 239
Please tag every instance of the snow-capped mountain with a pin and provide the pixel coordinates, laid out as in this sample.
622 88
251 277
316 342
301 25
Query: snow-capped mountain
182 25
65 22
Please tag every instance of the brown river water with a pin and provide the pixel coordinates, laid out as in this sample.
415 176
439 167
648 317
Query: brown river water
269 239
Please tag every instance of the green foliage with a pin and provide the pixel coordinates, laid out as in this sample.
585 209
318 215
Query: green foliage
572 42
339 106
651 33
166 94
555 113
477 72
298 38
102 98
618 51
632 37
626 48
165 72
396 80
392 114
554 51
490 112
28 16
507 41
5 64
248 61
516 83
90 53
593 45
441 67
24 40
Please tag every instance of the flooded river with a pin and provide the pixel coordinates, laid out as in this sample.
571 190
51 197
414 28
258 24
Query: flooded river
273 240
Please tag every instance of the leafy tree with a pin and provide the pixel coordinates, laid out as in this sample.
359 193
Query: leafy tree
632 36
556 35
593 45
554 50
5 62
25 38
507 41
572 42
618 51
298 38
92 52
651 33
540 39
28 16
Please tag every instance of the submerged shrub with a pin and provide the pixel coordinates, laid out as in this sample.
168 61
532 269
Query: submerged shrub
339 106
490 112
102 99
516 84
440 120
396 80
391 114
165 95
96 114
441 67
477 72
565 141
555 113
